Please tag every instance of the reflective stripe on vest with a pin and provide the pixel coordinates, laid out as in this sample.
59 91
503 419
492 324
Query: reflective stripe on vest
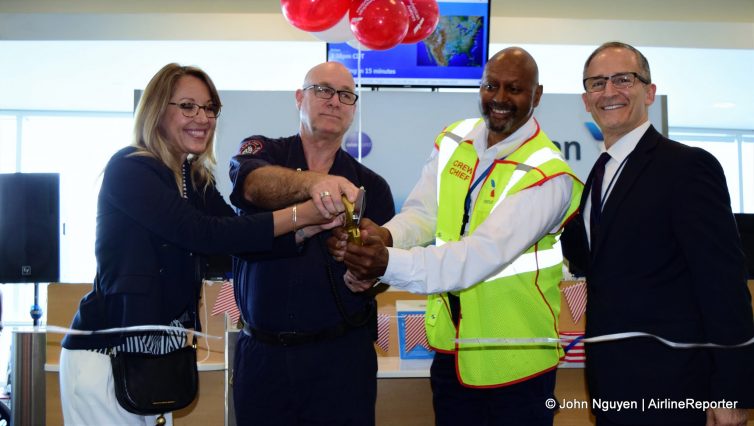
527 262
454 134
530 262
535 160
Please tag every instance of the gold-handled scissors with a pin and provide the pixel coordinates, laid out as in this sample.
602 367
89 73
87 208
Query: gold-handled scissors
353 216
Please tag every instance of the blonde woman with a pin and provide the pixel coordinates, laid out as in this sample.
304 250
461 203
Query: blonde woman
158 214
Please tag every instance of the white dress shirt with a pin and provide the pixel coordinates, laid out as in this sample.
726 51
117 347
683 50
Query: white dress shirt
618 154
515 225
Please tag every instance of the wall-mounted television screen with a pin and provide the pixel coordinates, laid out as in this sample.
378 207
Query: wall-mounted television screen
454 55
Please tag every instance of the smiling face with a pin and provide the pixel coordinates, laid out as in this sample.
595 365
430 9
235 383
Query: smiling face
325 118
618 111
509 93
188 135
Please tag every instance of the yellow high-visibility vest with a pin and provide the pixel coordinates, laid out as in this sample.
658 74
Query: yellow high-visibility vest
520 300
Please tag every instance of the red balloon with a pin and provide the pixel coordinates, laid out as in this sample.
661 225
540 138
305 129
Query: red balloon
314 15
423 16
379 24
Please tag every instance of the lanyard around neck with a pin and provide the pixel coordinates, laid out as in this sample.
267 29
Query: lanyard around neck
467 201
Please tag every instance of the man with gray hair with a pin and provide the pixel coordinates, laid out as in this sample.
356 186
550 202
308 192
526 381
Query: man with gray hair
658 241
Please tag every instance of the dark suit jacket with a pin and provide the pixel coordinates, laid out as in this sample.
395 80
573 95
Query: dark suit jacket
667 261
148 240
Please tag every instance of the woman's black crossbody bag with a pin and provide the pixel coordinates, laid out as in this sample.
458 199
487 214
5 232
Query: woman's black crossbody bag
148 384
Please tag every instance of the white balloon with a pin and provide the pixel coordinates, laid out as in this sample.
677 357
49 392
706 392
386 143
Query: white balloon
339 33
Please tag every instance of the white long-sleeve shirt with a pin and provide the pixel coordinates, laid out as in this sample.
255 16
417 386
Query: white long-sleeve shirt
515 225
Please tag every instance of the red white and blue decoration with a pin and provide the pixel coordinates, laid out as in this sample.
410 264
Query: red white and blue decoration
383 332
415 332
573 345
575 296
226 303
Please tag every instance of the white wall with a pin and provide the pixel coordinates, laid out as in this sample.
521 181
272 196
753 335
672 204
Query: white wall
707 88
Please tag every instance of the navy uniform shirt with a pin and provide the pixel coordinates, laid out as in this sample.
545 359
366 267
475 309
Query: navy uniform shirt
294 291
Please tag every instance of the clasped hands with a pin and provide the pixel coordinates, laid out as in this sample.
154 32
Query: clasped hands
365 262
325 192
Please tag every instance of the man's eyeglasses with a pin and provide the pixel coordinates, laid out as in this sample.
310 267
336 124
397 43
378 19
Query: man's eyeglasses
190 109
622 80
325 92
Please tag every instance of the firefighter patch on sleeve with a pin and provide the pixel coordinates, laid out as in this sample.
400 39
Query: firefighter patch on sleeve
250 147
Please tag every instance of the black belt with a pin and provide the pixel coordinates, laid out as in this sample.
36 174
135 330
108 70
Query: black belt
292 338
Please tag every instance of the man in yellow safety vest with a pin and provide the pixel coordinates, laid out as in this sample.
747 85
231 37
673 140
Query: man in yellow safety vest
493 198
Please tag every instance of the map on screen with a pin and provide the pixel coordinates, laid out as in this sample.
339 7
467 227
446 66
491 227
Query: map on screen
454 55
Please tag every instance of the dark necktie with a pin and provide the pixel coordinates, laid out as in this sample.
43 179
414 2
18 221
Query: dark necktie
595 212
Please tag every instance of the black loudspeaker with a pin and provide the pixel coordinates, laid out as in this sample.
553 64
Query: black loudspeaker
29 227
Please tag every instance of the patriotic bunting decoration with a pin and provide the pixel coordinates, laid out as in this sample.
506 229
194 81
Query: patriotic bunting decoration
415 333
575 296
573 345
226 303
383 332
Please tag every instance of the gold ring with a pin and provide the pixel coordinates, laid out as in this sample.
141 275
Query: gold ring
324 194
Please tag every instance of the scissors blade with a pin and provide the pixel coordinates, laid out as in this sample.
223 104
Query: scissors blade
358 205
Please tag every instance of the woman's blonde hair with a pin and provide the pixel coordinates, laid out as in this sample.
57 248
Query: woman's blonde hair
149 113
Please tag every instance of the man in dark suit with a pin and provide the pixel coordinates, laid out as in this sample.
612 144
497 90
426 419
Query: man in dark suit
658 240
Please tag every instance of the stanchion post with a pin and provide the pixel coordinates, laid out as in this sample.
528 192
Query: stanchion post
28 378
231 337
